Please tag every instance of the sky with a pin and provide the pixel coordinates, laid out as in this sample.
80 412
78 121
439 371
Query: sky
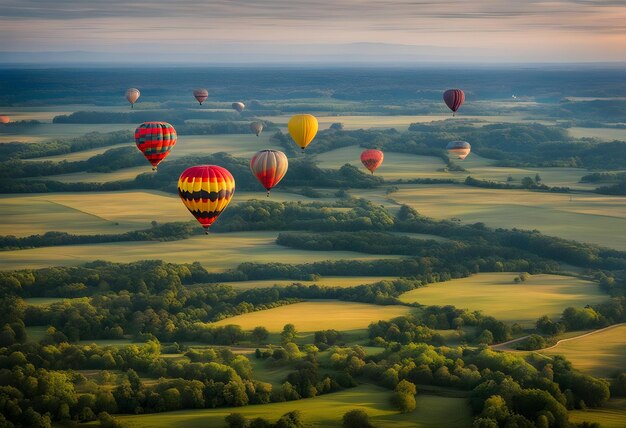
224 31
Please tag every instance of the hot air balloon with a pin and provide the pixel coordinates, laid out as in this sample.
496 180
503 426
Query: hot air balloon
269 167
4 119
372 159
460 149
132 95
238 106
302 128
454 99
155 140
201 95
206 191
256 127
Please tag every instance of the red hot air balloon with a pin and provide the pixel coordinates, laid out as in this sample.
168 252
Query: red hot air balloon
155 140
201 95
372 159
454 99
206 191
269 167
4 119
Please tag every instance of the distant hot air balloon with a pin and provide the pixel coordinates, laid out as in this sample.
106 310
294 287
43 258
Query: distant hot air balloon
239 106
155 140
454 99
460 149
132 95
269 167
201 95
256 127
372 159
4 119
206 191
302 128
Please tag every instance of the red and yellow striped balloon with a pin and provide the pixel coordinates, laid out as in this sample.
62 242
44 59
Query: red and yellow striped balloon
269 167
372 159
206 191
155 140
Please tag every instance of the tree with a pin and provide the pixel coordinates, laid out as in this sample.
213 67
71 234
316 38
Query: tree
356 418
292 419
108 421
288 334
528 182
404 402
486 337
406 387
259 334
495 408
236 420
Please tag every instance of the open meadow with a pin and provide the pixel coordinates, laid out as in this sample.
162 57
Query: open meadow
325 411
327 281
216 252
582 217
496 294
317 315
601 354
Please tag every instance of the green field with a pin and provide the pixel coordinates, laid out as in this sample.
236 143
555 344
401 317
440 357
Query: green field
328 281
601 354
586 217
605 134
52 131
325 411
215 252
497 295
611 415
317 315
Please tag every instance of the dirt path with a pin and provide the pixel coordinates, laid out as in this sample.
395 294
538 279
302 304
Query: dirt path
502 345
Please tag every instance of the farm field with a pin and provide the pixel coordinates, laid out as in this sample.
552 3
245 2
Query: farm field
325 411
327 281
605 134
105 212
611 415
601 354
234 248
317 315
586 217
51 131
496 294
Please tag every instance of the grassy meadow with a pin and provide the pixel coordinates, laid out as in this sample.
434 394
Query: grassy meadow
611 415
215 252
585 217
601 354
325 411
328 281
317 315
497 295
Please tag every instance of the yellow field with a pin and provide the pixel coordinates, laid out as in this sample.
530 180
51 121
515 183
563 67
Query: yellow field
317 315
611 415
497 295
586 217
78 156
328 281
601 354
606 134
52 131
215 252
325 411
395 166
105 212
101 177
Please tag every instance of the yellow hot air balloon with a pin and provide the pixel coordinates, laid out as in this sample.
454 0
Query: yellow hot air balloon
302 128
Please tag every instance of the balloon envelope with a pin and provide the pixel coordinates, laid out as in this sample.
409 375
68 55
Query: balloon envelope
460 149
155 140
454 98
269 167
206 191
201 95
372 159
256 127
302 128
4 119
132 95
238 106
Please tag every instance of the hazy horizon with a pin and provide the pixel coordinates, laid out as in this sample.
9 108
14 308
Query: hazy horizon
278 31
